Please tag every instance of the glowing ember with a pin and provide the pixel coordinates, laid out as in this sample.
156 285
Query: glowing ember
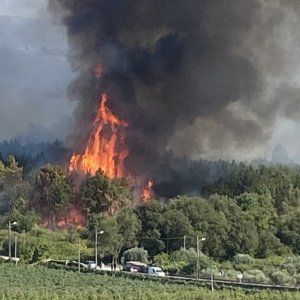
106 149
147 191
63 221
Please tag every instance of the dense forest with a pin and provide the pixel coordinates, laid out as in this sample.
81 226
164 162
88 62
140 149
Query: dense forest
246 213
32 155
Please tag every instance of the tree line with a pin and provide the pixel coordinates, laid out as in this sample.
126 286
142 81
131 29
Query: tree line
249 209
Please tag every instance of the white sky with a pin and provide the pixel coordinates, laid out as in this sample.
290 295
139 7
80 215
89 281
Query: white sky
24 8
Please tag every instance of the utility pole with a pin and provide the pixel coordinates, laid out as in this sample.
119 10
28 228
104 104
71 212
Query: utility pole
212 280
9 237
184 242
96 244
198 254
16 241
78 259
198 257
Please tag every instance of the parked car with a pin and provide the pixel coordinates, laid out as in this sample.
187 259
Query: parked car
135 266
156 271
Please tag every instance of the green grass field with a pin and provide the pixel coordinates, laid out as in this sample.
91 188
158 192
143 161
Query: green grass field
40 283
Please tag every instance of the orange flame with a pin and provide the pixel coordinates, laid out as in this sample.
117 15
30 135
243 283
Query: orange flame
72 216
106 149
147 191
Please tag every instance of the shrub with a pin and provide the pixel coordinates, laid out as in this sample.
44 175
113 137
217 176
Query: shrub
281 277
162 260
135 254
292 265
256 276
242 259
296 279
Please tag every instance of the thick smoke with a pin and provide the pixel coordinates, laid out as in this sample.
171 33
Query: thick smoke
189 76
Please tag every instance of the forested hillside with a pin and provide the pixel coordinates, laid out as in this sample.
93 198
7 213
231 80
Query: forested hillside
248 210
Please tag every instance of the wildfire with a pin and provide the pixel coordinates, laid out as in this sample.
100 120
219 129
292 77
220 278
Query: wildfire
62 221
147 191
106 149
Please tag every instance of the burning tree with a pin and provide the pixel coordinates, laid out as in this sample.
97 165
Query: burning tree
54 191
105 149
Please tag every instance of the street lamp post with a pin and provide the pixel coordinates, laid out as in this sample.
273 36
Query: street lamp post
78 256
198 254
9 237
211 277
96 244
16 241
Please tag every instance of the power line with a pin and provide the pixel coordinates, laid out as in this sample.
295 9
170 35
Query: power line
170 238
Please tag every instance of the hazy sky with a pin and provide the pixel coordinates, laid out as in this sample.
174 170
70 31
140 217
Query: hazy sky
23 8
33 83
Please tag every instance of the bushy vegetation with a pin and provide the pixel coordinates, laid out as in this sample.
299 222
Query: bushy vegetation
249 216
136 254
31 282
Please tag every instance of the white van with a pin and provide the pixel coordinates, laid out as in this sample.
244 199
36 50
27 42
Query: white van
155 271
91 265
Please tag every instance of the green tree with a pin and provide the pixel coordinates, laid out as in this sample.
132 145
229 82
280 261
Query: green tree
162 260
104 195
54 191
289 230
12 178
136 254
185 261
25 217
151 217
206 221
242 235
2 170
269 244
261 207
175 226
110 242
129 228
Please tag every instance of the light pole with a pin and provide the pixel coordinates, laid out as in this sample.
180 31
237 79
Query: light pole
78 255
9 237
16 241
211 277
198 254
96 244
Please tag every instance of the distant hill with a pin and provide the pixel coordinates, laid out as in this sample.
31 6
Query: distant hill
280 155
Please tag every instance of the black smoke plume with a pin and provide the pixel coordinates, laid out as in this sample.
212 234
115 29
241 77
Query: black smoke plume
188 76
